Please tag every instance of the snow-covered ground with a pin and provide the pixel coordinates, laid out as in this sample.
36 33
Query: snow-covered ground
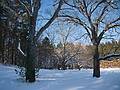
61 80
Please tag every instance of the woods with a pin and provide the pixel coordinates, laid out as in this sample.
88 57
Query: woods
23 42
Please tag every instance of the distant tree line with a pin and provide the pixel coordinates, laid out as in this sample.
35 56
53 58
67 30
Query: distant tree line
51 56
112 47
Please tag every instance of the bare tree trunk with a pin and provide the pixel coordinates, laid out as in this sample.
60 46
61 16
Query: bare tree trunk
2 45
30 57
96 62
63 66
30 62
2 52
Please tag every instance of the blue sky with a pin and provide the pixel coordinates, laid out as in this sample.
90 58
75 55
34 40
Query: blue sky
47 8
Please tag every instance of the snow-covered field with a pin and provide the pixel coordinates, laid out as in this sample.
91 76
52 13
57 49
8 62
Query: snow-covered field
61 80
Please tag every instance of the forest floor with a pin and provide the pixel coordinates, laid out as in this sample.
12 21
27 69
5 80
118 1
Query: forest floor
61 80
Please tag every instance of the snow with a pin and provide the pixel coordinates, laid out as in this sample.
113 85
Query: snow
19 48
61 80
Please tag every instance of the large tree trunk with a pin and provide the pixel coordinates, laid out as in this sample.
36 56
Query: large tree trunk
2 42
30 62
64 65
31 53
96 62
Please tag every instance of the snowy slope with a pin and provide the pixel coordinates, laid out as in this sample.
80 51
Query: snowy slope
61 80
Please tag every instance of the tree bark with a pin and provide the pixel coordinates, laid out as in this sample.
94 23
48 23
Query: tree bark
30 56
96 62
32 37
2 44
30 62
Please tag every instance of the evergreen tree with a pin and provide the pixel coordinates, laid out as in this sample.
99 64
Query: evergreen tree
46 54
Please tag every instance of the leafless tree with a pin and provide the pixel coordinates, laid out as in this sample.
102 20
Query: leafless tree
66 51
31 8
97 17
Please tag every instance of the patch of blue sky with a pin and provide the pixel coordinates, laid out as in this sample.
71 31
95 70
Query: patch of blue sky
44 13
47 10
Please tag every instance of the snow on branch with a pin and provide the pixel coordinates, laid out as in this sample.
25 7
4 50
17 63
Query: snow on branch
19 48
109 56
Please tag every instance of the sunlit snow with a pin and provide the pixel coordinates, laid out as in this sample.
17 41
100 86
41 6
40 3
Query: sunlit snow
61 80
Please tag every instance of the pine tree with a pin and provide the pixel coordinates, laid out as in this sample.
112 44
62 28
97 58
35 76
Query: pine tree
46 53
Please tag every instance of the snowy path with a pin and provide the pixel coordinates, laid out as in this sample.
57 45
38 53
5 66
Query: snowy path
61 80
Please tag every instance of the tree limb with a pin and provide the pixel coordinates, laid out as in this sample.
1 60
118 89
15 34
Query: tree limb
92 10
78 21
55 15
109 56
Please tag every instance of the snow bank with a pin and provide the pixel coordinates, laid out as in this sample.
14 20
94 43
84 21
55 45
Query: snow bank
61 80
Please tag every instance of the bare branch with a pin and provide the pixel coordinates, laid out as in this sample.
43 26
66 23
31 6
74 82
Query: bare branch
87 14
113 26
78 21
77 53
71 5
101 36
92 10
99 19
55 15
108 27
114 21
117 31
109 56
81 36
36 7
